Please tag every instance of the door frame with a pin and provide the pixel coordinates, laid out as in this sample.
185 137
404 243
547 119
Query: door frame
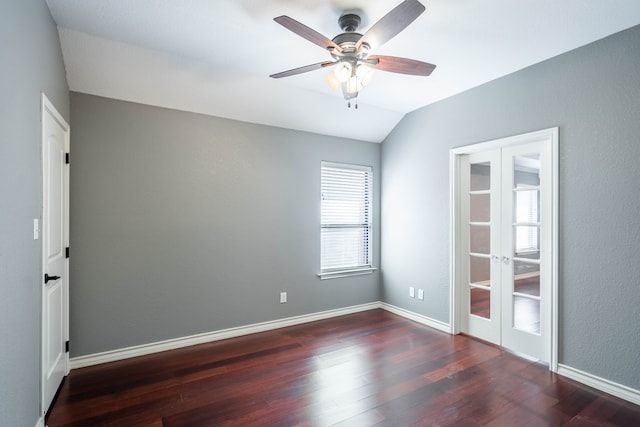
549 136
47 107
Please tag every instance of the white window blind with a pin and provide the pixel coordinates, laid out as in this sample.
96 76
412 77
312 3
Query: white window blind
346 209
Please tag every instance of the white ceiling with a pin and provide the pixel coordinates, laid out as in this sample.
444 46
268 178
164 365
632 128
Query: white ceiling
215 57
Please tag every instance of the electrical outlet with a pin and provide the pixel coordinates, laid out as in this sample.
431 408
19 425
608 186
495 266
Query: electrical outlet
421 294
283 297
412 292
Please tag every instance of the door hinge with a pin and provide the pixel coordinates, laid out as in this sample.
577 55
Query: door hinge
66 346
66 252
66 158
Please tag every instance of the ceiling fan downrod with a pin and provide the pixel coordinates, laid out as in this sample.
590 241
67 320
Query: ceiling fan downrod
349 22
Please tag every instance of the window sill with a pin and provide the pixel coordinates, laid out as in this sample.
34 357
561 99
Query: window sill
346 273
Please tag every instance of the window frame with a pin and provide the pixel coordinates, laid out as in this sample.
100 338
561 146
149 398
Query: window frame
368 268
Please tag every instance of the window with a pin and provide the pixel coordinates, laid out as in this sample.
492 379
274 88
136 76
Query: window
527 217
346 222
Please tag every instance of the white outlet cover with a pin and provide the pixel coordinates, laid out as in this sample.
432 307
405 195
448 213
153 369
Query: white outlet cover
283 297
420 293
412 292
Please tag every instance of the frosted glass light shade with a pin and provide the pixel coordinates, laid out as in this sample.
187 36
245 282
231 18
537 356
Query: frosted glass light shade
343 71
364 74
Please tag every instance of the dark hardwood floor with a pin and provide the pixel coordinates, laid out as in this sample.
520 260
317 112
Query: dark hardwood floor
370 368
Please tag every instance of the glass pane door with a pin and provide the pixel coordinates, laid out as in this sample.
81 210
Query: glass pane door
524 298
480 239
504 236
480 220
526 248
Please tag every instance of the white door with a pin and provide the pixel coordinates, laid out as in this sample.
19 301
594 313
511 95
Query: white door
526 249
505 248
55 237
480 204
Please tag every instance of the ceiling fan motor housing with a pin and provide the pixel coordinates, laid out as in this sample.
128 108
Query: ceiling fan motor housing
347 40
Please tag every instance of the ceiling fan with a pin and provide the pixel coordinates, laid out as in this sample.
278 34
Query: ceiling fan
350 50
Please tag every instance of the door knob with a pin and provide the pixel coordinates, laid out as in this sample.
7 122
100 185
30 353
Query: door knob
47 278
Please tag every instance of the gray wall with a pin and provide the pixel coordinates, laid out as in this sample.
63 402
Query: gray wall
593 95
184 224
31 63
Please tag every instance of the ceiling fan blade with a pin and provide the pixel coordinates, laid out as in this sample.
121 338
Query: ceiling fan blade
304 69
305 32
391 24
401 65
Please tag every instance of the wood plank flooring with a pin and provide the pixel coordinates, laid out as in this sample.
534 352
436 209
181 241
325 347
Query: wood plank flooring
365 369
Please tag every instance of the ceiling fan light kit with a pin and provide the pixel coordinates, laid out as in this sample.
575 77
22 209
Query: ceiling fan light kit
354 67
343 71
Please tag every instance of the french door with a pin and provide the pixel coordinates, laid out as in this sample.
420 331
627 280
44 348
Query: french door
505 250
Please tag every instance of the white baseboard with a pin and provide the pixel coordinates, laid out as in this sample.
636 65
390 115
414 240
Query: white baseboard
141 350
615 389
435 324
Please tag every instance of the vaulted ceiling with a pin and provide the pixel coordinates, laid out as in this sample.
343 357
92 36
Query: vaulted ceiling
215 57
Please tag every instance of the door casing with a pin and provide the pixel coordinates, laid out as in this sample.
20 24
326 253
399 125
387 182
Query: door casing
548 136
